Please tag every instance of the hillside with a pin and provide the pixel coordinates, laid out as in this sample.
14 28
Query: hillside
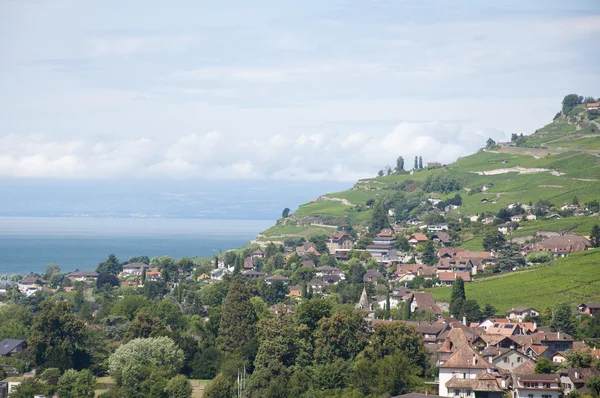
557 163
573 279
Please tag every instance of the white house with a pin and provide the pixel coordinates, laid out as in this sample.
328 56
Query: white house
520 312
460 375
437 227
537 386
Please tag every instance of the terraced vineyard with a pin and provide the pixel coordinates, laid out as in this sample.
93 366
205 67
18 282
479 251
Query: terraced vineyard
573 280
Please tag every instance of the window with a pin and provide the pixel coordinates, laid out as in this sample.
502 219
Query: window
546 385
464 375
546 396
530 396
519 359
505 360
456 393
468 393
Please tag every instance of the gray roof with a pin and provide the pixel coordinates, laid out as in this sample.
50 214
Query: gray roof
8 345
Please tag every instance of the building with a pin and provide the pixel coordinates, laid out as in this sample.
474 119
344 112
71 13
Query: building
448 278
467 374
593 106
307 248
507 359
83 276
437 227
9 347
417 238
520 312
134 269
575 378
536 386
30 285
339 241
424 301
372 276
442 237
589 308
277 278
561 246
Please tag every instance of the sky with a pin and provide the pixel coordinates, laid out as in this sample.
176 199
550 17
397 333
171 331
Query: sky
278 90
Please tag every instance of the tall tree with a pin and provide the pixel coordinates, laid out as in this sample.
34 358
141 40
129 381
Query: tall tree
285 213
57 336
342 336
490 142
595 236
51 269
562 320
143 276
238 318
112 265
379 218
472 311
429 256
571 101
400 164
179 387
457 298
420 162
416 163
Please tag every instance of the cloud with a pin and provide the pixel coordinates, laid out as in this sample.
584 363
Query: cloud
214 155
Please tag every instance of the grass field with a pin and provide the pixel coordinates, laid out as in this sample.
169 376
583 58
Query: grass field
103 384
573 280
581 225
281 230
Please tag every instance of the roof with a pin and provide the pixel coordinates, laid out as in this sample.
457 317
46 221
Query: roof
539 377
520 309
8 345
451 276
136 265
419 237
565 243
591 305
373 273
442 236
308 263
527 367
583 374
278 278
88 274
32 279
504 329
426 302
466 358
327 268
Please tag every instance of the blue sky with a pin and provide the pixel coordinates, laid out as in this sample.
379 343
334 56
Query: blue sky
312 90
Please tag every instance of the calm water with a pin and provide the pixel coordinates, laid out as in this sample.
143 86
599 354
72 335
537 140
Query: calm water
30 243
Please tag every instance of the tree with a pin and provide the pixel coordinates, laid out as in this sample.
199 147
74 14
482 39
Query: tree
50 376
343 335
238 318
131 360
493 240
593 384
561 320
490 142
57 337
85 384
356 271
51 269
457 298
472 311
380 173
579 359
416 166
489 311
29 388
429 256
311 311
66 384
379 218
544 366
111 266
143 326
107 280
285 213
400 164
420 162
595 236
179 387
143 276
406 311
569 102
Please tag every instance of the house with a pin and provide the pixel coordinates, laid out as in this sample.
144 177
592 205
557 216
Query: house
219 273
504 228
417 238
408 272
395 298
308 264
489 322
536 386
372 276
277 278
561 246
575 378
11 346
307 248
154 275
328 270
485 187
531 217
448 278
589 308
414 221
467 374
520 312
437 227
455 264
416 394
30 285
251 274
516 218
257 253
83 276
487 220
295 291
593 106
339 240
442 237
424 301
507 359
133 269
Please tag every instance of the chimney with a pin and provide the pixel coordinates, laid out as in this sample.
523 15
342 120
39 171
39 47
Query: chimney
465 320
576 375
534 326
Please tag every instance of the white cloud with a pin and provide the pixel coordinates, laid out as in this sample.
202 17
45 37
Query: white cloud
215 155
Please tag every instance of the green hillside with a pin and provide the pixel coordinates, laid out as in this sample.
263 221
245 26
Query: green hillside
556 163
573 279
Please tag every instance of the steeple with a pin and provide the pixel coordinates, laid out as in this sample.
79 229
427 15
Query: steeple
363 303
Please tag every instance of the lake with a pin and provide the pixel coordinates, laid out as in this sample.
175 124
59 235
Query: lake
28 244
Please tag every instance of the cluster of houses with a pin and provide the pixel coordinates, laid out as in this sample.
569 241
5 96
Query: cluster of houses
498 356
